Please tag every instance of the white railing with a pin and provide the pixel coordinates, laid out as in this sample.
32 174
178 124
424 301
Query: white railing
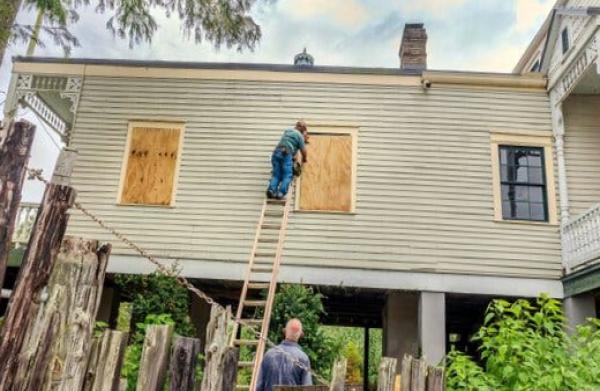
23 223
581 239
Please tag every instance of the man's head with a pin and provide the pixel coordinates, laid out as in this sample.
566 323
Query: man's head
301 126
293 330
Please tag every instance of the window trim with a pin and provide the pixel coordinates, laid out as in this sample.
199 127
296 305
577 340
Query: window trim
524 139
333 129
125 160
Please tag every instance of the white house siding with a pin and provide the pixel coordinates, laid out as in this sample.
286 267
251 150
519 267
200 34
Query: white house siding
424 190
582 145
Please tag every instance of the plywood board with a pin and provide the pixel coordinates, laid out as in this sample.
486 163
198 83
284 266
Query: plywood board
326 183
152 157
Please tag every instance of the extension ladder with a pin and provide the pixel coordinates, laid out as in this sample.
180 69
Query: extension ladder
263 265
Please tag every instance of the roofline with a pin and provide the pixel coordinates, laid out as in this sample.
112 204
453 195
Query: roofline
270 72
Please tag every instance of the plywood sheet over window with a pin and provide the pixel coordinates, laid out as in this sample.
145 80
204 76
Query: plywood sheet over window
151 163
327 182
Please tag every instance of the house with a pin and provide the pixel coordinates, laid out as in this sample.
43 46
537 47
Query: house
567 50
437 190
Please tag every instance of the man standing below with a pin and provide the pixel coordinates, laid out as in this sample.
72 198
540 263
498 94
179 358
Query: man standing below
282 160
285 364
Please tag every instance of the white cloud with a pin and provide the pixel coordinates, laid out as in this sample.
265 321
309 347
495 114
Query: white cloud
432 7
529 13
348 14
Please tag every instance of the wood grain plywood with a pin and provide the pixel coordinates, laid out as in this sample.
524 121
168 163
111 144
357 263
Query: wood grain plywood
326 183
151 166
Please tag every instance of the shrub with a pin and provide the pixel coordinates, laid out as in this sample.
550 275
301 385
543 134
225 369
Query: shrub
524 346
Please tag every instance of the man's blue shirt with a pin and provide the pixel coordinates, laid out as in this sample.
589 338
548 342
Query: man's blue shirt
292 140
278 367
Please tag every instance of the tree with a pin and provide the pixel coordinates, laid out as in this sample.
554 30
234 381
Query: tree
222 22
524 346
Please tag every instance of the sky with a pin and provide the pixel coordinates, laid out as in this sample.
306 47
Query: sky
473 35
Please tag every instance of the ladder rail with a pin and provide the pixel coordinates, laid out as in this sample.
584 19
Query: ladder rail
244 292
260 350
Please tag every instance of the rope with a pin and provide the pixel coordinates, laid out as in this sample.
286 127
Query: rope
38 174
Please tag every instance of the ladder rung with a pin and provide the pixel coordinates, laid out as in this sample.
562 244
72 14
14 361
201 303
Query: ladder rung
262 240
255 303
246 342
242 387
258 285
271 226
265 255
245 364
271 213
262 268
276 202
251 321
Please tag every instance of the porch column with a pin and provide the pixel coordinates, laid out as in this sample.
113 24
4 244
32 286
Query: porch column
558 128
432 326
400 325
578 309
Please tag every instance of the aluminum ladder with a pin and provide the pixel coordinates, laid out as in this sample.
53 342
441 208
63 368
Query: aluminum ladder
261 278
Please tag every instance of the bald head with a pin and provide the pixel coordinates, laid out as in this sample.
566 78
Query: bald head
301 126
293 330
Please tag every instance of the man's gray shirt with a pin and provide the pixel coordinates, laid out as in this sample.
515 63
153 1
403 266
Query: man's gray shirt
278 367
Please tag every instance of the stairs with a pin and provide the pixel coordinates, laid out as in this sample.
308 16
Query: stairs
258 292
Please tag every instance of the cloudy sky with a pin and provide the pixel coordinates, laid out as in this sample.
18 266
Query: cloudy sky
483 35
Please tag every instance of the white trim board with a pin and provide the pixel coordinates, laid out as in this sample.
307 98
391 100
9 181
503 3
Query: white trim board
360 278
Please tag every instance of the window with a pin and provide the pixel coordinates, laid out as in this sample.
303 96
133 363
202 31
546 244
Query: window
536 66
565 40
151 163
523 177
328 180
523 184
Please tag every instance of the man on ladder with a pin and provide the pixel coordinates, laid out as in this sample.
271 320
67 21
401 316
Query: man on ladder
282 160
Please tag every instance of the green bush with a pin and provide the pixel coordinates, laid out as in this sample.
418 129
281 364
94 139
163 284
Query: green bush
523 346
155 294
297 301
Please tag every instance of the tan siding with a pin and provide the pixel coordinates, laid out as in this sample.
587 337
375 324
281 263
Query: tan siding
582 151
424 194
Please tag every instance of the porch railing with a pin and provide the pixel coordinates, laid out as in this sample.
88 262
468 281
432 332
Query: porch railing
24 222
581 238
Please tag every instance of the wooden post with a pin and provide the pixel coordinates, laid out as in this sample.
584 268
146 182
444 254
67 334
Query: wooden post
57 344
418 375
406 371
366 350
387 374
30 292
105 362
338 375
14 155
435 379
230 367
218 336
155 357
184 357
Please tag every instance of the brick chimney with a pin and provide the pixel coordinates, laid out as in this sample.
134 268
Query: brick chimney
413 49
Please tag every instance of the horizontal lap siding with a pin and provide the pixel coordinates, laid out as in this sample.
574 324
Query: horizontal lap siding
424 195
582 151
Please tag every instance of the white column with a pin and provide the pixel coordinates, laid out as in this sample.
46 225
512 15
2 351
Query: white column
558 129
432 326
578 309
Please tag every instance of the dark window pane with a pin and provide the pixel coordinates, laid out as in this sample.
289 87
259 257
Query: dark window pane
522 210
507 210
538 212
503 156
522 174
536 176
536 194
521 193
504 173
506 192
534 159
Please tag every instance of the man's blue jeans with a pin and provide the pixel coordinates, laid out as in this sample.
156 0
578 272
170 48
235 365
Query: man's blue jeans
283 171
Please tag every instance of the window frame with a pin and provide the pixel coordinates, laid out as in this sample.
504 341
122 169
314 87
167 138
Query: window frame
125 160
543 185
352 131
531 139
